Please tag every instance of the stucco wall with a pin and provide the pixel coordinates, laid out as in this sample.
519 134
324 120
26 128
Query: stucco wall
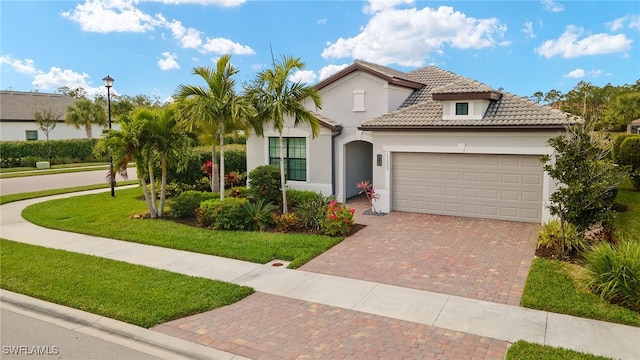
479 142
16 131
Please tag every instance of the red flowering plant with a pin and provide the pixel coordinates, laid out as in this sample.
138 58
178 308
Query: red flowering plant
338 219
233 178
367 188
207 168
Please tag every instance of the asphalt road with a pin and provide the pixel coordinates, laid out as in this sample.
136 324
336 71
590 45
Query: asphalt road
33 336
57 181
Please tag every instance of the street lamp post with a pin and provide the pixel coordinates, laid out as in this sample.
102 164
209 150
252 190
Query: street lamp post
108 82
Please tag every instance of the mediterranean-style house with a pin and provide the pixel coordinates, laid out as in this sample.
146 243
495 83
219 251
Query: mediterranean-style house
17 120
429 140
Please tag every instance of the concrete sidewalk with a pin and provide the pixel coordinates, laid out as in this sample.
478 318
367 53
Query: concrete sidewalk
497 321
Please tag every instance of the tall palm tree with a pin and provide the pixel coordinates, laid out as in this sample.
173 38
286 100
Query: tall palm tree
276 97
85 113
215 109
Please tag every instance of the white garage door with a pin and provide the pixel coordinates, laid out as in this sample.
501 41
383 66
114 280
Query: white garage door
507 187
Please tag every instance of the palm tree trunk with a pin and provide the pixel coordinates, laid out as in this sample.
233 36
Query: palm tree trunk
222 163
152 185
87 130
282 177
163 187
214 170
145 191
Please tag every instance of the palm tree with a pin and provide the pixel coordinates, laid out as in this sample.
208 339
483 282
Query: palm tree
85 113
276 97
216 109
168 141
127 145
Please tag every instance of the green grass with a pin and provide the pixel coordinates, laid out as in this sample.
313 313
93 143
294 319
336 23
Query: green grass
4 199
131 293
52 171
102 215
551 287
58 166
522 350
628 222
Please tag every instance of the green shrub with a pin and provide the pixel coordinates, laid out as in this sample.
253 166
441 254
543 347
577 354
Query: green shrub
78 150
185 204
264 182
258 214
338 219
286 222
629 155
561 243
297 197
615 148
312 211
614 272
226 214
240 192
30 161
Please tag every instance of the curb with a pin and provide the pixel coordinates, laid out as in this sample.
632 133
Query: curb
181 347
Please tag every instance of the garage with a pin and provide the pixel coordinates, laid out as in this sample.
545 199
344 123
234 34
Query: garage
506 187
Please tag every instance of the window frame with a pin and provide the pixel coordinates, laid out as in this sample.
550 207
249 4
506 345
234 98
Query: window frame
34 134
295 166
466 109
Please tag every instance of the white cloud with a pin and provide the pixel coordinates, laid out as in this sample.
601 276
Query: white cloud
25 66
329 70
57 78
105 16
303 76
632 20
577 73
225 46
527 29
322 21
189 38
550 5
407 37
569 46
595 73
168 62
374 6
221 3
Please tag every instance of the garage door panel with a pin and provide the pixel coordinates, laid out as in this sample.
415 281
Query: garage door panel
493 186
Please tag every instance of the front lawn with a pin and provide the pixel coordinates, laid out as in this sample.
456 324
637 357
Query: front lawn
102 215
628 222
131 293
522 350
5 199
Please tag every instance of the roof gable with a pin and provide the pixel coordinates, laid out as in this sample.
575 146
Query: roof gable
387 74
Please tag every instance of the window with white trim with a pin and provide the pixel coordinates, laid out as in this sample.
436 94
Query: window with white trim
295 156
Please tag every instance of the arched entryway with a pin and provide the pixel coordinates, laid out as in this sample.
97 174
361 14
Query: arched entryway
358 165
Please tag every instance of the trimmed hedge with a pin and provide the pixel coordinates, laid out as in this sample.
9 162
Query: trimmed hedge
13 153
227 214
617 142
185 204
629 154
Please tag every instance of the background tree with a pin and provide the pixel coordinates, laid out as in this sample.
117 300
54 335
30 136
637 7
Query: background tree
622 110
276 98
215 110
46 121
85 113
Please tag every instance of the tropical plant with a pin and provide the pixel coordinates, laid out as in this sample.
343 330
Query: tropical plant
264 183
560 240
276 98
215 110
312 211
259 214
586 179
46 121
338 219
367 189
614 272
85 113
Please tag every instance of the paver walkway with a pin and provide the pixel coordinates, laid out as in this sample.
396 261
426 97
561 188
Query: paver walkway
303 314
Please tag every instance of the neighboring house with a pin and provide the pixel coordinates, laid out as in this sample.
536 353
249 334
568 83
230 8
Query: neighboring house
429 140
634 127
17 121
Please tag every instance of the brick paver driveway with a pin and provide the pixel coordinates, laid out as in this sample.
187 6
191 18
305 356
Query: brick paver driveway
475 258
481 259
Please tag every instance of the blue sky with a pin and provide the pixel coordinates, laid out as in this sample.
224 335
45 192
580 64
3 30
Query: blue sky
151 46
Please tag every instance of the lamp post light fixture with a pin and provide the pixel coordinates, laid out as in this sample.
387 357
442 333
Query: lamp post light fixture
108 82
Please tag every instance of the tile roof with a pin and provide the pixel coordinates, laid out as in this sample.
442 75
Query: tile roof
506 110
21 106
510 111
326 122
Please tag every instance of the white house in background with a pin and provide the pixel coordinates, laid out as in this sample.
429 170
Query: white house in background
17 121
430 141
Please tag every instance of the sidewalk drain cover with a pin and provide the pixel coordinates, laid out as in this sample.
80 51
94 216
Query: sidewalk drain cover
278 263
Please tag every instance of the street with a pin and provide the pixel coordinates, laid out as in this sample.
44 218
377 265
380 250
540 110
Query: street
32 335
57 181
